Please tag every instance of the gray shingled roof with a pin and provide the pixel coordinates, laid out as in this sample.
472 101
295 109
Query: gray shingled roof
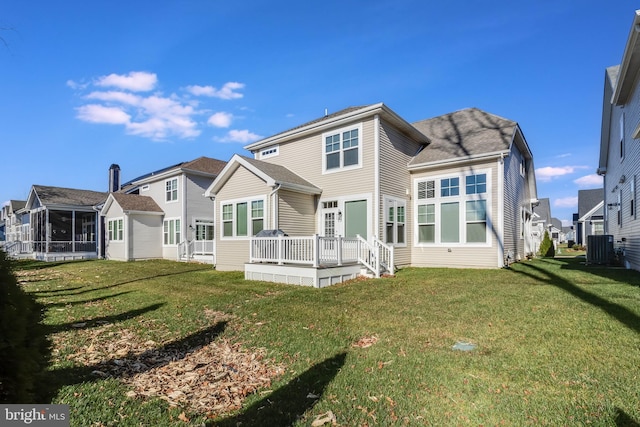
464 133
135 202
68 196
201 164
280 174
588 199
543 210
16 205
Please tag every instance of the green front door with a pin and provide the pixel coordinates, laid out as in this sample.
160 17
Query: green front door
355 219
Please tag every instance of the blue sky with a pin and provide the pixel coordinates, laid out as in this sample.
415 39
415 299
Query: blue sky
149 84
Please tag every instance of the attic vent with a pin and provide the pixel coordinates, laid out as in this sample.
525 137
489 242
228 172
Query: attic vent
144 188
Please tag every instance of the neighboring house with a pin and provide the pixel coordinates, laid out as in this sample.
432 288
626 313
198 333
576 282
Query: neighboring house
555 232
541 222
590 214
63 222
454 191
619 162
16 221
162 214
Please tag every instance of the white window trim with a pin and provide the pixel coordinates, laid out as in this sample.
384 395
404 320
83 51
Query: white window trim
395 201
360 148
271 151
115 221
462 198
176 241
234 203
206 222
177 190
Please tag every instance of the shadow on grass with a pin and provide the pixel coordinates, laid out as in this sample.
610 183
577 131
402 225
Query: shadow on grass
145 361
33 264
98 321
624 420
617 311
286 405
86 301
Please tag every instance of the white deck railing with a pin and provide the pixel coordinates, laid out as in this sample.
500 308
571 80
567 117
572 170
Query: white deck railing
317 251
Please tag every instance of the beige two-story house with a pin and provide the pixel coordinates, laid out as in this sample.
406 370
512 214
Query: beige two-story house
364 188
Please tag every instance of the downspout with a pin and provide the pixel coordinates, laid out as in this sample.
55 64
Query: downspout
215 230
127 242
184 227
376 177
500 222
274 206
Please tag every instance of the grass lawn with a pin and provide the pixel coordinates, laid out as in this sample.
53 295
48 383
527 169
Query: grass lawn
557 343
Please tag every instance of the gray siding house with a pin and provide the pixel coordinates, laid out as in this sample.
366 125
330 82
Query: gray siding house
162 214
363 186
619 161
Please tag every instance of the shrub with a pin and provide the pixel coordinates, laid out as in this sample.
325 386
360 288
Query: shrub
24 346
547 249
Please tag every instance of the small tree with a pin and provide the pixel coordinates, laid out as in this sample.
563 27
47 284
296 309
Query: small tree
547 249
24 346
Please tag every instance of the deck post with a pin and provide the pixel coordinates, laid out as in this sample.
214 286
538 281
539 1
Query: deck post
316 250
280 249
339 251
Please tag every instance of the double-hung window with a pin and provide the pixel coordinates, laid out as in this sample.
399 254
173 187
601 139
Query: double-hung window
452 209
115 229
395 215
171 190
172 231
242 218
342 149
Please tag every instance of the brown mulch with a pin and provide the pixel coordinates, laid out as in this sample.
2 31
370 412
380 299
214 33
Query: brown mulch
210 379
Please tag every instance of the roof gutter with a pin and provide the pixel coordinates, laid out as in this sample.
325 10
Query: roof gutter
459 160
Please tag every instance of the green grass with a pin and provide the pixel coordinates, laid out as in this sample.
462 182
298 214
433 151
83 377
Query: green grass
557 343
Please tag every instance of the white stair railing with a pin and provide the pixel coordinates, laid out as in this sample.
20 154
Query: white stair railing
376 256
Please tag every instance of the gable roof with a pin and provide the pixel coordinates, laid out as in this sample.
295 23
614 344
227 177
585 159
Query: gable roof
202 165
342 117
543 210
465 133
60 196
273 175
588 199
629 66
16 205
135 202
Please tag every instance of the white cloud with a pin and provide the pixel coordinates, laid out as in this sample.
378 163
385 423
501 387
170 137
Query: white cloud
76 85
156 116
220 120
241 136
116 96
95 113
226 92
136 81
566 202
549 172
593 180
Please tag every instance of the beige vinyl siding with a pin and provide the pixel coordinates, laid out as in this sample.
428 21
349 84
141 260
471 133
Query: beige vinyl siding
296 213
304 157
629 166
515 198
460 254
115 250
145 236
232 253
396 150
